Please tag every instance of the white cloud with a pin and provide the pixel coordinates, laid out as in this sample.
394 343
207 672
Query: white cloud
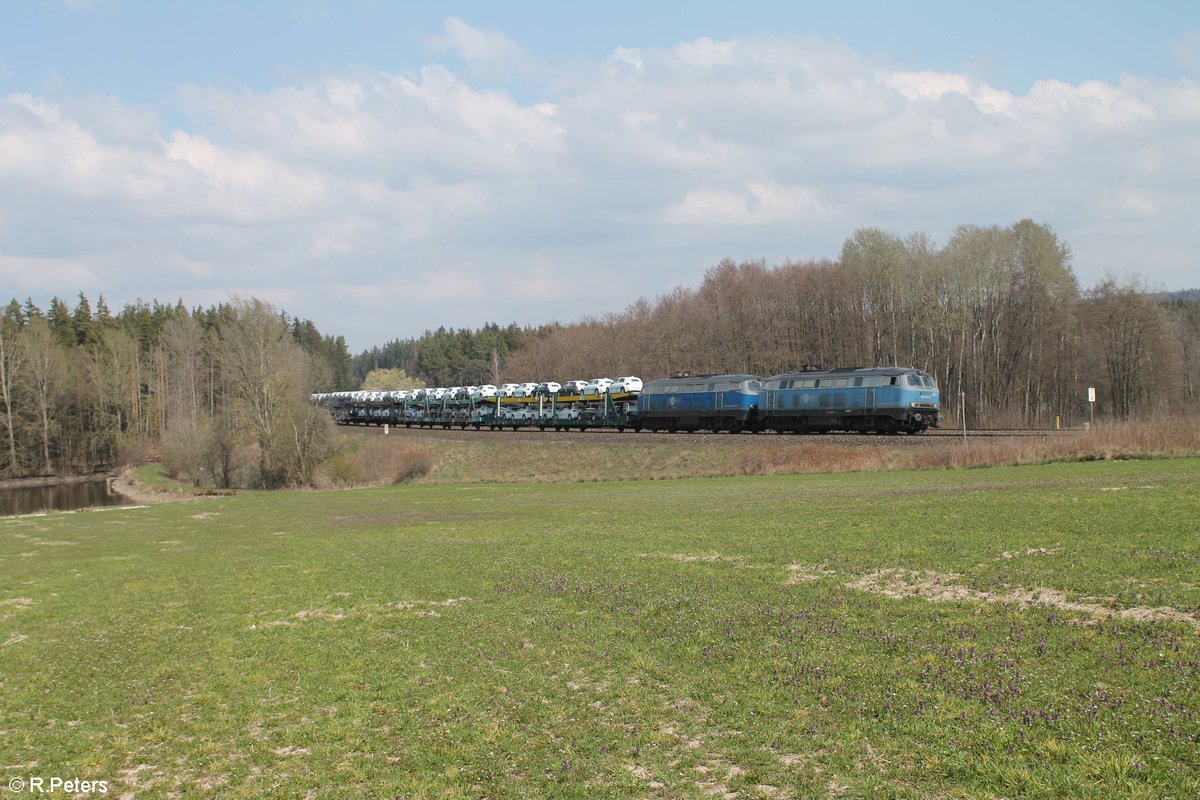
476 44
29 274
245 186
1187 49
390 125
382 204
544 283
918 86
627 57
753 204
704 53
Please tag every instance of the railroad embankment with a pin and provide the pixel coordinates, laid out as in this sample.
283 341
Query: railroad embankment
438 456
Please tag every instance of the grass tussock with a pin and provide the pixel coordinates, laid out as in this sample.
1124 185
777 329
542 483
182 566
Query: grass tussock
776 459
375 462
1167 438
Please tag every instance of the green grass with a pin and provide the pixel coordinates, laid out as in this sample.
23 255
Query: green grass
152 475
627 639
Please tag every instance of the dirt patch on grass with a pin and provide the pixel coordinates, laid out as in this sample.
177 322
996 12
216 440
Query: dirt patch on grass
14 605
405 605
132 776
643 775
410 517
39 542
807 573
292 750
413 608
1008 555
685 558
944 587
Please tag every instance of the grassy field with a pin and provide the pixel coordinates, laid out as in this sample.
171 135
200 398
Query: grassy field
998 632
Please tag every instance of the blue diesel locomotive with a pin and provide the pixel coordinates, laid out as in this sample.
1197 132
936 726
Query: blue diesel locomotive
700 402
868 400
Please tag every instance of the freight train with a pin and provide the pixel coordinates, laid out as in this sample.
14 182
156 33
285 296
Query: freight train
863 399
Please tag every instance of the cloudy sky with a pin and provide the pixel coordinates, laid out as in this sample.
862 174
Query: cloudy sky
387 167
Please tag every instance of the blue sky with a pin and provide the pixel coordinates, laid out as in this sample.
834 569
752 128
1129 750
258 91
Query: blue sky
386 167
142 51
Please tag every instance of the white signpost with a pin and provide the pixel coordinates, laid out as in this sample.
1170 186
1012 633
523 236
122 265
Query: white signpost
1091 406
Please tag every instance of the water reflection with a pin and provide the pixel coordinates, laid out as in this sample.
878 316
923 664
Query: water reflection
60 497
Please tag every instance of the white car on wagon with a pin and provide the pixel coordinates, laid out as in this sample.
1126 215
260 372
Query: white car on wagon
626 385
597 387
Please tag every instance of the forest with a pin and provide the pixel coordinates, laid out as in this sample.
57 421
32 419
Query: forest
227 386
996 314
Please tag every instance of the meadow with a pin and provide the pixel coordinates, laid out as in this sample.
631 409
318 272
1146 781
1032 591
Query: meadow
1026 631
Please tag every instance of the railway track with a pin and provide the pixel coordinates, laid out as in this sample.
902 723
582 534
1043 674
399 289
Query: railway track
598 436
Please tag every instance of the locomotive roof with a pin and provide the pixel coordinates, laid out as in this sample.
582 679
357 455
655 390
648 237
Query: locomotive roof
816 373
706 378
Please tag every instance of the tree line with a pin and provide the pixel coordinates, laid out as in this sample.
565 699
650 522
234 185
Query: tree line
223 388
449 357
996 315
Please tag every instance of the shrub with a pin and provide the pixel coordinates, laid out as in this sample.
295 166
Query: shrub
375 461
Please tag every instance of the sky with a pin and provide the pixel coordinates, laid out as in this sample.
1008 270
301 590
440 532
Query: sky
384 168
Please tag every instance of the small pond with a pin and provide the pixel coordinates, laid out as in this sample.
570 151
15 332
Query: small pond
59 497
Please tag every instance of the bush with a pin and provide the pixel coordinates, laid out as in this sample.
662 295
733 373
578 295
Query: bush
375 461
